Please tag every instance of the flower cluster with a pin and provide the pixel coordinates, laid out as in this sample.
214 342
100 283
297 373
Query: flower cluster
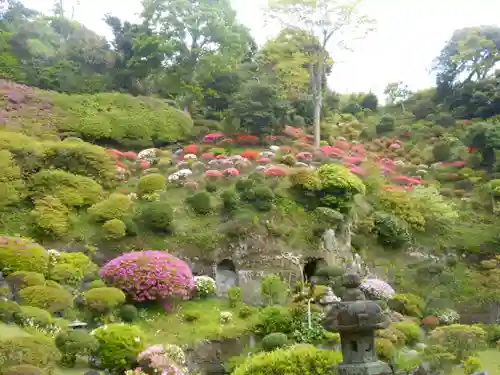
204 286
377 289
225 317
180 175
149 275
448 316
148 154
162 359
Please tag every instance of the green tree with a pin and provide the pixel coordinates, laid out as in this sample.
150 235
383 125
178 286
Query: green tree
397 93
329 21
206 36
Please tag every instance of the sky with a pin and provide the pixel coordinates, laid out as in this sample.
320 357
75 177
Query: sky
409 35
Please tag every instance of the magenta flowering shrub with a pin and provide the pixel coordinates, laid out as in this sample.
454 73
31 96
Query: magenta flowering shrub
149 275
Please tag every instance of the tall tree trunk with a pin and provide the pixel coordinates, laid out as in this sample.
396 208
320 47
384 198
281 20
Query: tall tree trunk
318 99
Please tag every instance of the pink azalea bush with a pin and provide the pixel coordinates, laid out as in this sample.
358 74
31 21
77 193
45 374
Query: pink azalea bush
149 275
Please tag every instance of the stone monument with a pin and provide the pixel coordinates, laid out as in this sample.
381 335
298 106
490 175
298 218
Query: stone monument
356 319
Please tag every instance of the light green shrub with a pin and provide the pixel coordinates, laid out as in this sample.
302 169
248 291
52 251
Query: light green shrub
114 229
20 254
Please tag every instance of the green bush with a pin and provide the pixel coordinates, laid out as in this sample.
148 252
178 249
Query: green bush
53 300
23 370
115 207
385 349
31 314
129 313
119 345
23 279
274 290
235 296
274 341
246 311
34 350
386 124
191 316
114 229
391 231
83 159
8 309
66 274
19 254
297 360
201 203
27 151
132 122
71 189
81 262
262 198
75 343
288 160
460 340
407 304
157 216
53 284
11 184
101 301
230 199
151 183
274 319
412 332
51 218
97 284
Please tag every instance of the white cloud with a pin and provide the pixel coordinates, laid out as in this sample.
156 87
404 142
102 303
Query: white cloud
409 35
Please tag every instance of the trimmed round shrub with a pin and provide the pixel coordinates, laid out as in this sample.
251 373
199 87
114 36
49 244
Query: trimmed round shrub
72 190
33 350
274 319
114 229
65 274
385 349
204 286
23 370
50 218
274 341
84 159
119 345
33 315
8 309
151 183
157 216
96 284
201 203
51 299
149 275
411 331
129 313
103 300
75 343
115 207
20 254
297 360
459 339
23 279
246 311
386 124
407 304
81 263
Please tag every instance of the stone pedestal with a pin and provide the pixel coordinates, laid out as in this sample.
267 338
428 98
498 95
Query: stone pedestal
371 368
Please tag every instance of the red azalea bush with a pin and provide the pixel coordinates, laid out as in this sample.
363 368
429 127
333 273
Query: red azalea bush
247 140
191 149
250 154
149 275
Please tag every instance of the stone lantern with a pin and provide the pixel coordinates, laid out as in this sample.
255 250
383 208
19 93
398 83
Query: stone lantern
356 319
